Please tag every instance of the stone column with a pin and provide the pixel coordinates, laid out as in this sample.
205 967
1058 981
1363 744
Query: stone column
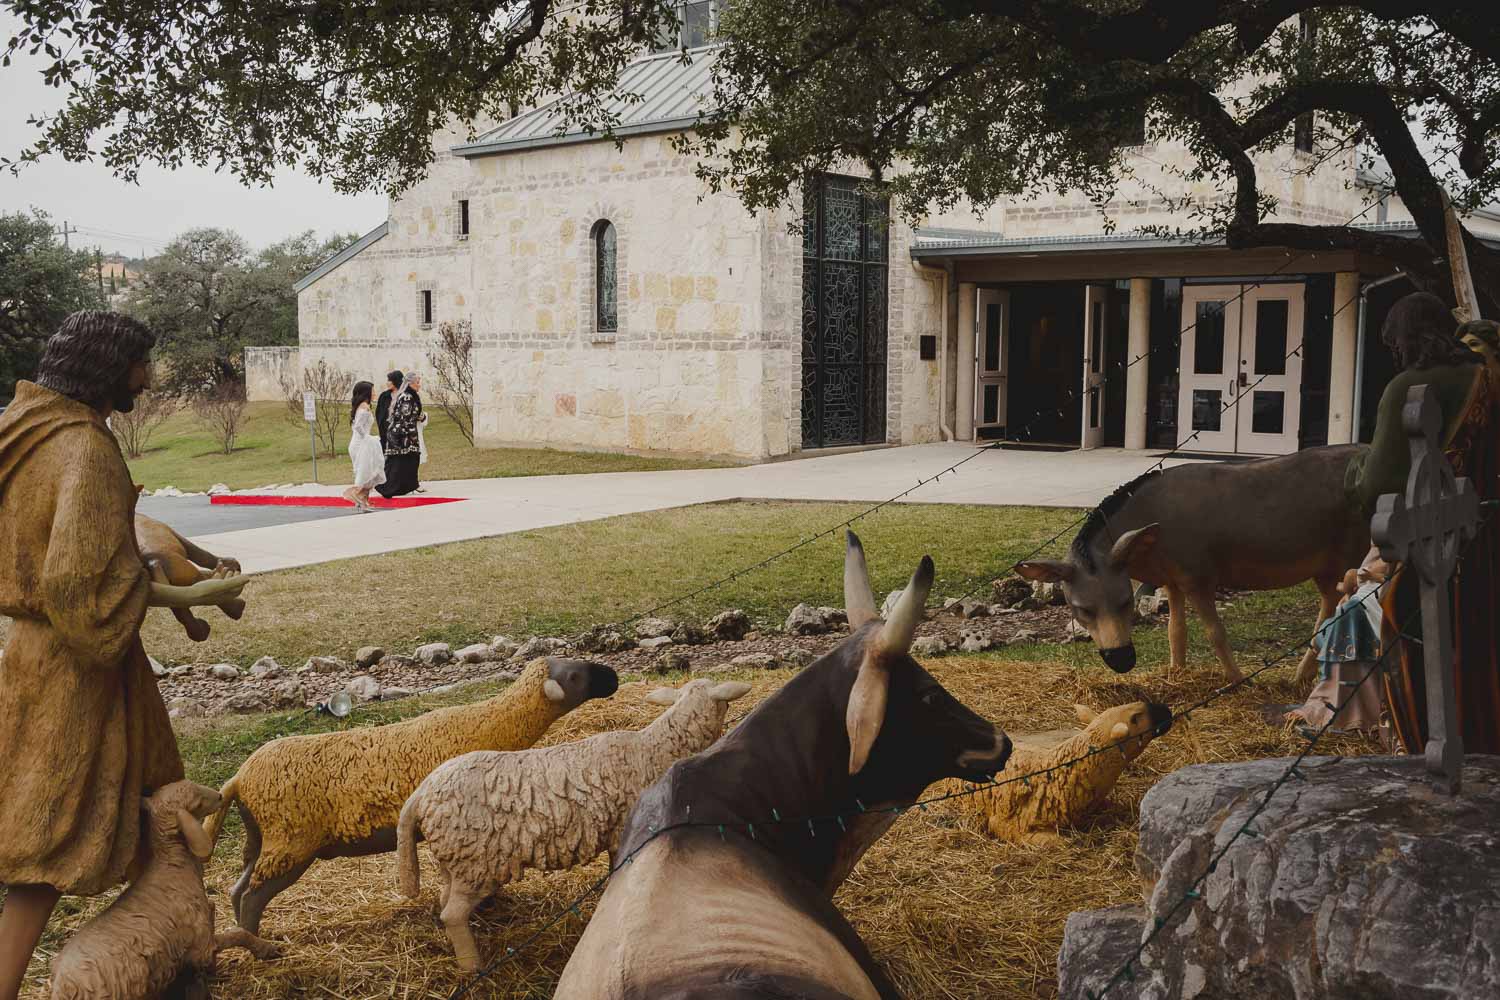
963 397
1136 383
1341 428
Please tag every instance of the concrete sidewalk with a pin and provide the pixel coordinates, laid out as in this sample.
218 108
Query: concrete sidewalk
502 506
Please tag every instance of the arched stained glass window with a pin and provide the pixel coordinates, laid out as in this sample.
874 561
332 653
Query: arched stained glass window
606 286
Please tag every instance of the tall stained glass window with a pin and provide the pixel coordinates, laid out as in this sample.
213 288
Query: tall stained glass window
606 281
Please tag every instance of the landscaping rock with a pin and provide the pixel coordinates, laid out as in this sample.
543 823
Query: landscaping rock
1074 632
653 628
183 707
364 688
157 670
218 490
1010 591
395 661
395 694
181 670
288 694
755 661
687 634
479 652
323 665
797 658
265 668
1363 883
834 616
368 656
889 604
435 654
1023 636
1048 593
970 608
539 645
656 642
728 626
224 672
1152 603
807 620
503 647
951 605
247 700
602 639
168 491
671 661
975 640
997 610
930 645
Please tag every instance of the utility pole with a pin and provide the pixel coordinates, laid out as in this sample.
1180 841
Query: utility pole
65 231
99 269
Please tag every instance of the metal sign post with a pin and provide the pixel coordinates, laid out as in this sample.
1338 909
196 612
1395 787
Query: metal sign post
310 414
1425 530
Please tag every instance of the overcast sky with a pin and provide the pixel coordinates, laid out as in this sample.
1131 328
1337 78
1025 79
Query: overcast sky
130 218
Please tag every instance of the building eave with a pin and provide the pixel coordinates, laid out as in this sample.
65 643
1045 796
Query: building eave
373 236
502 146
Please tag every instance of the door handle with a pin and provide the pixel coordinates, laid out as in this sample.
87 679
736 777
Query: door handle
1244 379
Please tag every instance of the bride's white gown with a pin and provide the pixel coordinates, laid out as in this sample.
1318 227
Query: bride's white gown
365 452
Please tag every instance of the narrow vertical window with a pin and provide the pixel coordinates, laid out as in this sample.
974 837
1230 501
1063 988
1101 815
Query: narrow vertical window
606 300
463 217
426 307
1302 128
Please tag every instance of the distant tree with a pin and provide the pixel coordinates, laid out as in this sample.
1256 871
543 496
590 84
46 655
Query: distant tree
452 360
275 269
221 411
41 281
134 429
333 389
980 100
348 92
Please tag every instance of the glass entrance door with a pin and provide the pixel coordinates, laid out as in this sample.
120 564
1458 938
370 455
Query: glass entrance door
1240 370
991 367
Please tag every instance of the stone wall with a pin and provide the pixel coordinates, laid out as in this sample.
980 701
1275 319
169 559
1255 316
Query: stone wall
264 367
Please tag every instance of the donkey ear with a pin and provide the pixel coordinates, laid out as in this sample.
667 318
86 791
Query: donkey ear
197 838
1085 714
1134 544
859 599
1045 571
866 712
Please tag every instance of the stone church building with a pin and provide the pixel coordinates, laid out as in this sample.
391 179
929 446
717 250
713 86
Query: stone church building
616 304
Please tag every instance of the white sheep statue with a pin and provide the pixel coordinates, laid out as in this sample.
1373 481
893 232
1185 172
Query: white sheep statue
160 931
339 794
487 817
1032 811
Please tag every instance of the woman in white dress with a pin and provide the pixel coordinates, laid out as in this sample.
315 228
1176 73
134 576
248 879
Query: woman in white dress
364 449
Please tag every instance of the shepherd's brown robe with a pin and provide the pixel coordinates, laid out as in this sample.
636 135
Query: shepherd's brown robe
83 731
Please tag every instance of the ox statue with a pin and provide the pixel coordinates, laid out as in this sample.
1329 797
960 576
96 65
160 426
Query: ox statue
1193 529
742 912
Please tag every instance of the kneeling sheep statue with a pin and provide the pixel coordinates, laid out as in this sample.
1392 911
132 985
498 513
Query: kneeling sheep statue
160 932
488 816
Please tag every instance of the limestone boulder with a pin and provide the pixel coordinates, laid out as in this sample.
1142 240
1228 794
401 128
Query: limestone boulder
808 620
224 672
1046 593
363 688
368 656
652 628
688 634
479 652
796 658
728 626
976 640
655 642
434 654
755 661
1010 591
503 647
265 668
602 639
930 645
540 645
323 665
1360 881
157 670
183 707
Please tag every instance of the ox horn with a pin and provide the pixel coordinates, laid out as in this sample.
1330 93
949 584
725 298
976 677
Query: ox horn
895 638
859 599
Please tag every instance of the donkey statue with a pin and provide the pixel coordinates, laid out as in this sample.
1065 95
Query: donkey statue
1257 526
745 912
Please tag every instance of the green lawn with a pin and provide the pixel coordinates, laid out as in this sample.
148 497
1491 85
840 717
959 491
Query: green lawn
274 449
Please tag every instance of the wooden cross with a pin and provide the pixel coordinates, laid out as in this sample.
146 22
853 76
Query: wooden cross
1425 529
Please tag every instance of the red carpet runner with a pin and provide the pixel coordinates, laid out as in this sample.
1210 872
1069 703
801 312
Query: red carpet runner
273 500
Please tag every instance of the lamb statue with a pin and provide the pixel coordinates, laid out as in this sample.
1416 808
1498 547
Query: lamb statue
1032 811
160 932
488 816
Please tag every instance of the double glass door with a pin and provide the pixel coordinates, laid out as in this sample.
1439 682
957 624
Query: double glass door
1240 372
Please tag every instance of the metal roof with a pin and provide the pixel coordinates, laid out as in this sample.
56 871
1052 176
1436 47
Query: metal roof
659 93
334 261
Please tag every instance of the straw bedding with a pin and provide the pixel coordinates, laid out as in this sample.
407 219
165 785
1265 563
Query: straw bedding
949 912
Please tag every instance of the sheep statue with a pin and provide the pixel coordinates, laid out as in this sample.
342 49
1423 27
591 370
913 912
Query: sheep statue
339 794
487 816
1032 811
160 932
